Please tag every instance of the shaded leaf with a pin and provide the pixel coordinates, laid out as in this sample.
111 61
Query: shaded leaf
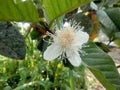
11 42
114 14
13 80
110 2
105 20
103 46
42 44
18 10
105 3
117 35
35 34
102 66
67 63
54 8
108 25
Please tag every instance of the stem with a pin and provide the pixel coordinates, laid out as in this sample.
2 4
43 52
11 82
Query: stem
27 32
111 40
118 66
72 84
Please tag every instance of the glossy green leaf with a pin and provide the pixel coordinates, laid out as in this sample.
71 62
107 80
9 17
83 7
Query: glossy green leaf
108 25
114 14
11 42
105 20
18 10
56 8
110 2
102 66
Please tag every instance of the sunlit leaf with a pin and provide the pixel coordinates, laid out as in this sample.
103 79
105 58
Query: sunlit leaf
18 10
102 66
117 42
54 8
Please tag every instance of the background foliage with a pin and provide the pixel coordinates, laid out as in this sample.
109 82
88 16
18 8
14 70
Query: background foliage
33 73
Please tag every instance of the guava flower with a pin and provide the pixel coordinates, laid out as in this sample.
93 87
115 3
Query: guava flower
67 42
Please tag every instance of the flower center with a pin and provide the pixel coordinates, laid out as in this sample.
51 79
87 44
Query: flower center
67 37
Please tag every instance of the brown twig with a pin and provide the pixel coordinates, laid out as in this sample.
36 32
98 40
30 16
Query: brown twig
118 66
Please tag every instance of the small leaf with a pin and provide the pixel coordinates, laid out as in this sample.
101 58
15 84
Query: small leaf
102 66
11 42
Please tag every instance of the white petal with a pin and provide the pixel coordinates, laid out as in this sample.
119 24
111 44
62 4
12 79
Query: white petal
74 58
81 37
52 52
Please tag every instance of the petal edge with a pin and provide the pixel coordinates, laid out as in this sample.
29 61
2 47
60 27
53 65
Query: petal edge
74 58
52 52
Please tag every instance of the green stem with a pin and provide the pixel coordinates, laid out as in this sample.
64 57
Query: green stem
72 84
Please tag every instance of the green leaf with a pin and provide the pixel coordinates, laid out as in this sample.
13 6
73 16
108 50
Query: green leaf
11 42
42 44
105 3
56 8
102 66
18 10
72 83
117 35
35 34
110 2
114 14
117 42
108 25
105 20
102 46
